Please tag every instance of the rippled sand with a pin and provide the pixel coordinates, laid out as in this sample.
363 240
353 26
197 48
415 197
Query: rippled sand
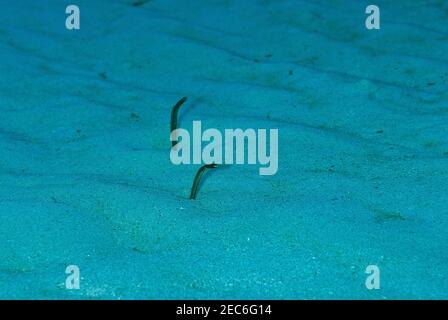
85 175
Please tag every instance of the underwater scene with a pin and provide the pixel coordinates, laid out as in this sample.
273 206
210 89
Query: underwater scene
224 149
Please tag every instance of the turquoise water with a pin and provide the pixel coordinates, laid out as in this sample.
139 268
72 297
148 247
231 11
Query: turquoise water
86 177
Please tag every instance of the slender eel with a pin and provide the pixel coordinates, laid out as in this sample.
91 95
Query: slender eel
197 179
174 113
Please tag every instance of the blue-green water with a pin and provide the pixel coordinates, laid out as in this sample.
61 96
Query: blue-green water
86 177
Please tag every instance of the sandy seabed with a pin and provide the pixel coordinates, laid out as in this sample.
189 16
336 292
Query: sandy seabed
86 178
